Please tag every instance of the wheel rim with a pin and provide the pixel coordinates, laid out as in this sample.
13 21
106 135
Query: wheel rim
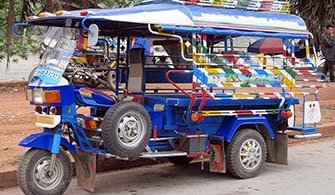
131 128
250 154
45 179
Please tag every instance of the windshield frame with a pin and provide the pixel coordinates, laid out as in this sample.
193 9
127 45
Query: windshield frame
58 46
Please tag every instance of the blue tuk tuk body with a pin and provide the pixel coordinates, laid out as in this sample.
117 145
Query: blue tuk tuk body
206 118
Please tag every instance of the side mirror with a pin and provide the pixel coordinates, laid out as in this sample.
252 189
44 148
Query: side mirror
93 35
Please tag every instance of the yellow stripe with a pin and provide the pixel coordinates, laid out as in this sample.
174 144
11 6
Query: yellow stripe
308 53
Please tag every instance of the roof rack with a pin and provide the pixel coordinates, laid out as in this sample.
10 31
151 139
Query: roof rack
279 6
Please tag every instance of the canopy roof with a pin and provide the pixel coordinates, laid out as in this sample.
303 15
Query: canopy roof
191 18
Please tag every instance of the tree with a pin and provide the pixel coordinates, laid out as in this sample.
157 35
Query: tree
317 14
10 21
12 11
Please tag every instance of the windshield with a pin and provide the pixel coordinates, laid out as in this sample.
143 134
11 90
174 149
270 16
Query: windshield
58 47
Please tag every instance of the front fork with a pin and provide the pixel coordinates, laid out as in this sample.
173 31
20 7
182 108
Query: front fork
85 163
55 149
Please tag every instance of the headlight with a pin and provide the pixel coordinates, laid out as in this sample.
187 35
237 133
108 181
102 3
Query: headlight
39 96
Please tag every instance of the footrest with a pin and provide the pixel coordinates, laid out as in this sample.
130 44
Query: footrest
309 136
162 154
304 130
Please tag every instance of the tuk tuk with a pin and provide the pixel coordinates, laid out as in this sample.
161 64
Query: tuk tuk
210 96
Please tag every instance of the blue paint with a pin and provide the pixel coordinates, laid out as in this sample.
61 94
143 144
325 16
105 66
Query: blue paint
56 143
44 141
66 95
95 99
231 125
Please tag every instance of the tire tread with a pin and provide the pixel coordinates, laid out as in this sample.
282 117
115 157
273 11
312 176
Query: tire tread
232 166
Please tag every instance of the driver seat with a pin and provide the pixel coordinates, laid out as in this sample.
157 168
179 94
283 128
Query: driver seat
136 80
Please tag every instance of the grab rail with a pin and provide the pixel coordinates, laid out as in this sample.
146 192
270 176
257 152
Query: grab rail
19 25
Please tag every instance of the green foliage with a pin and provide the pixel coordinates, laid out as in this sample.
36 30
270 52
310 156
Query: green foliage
23 46
317 14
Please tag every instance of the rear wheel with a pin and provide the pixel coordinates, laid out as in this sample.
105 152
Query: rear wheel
34 176
179 160
126 129
246 154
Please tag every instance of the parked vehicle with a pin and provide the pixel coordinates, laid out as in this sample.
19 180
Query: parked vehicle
216 105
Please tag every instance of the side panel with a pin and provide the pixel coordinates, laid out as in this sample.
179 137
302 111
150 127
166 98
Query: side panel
231 124
44 141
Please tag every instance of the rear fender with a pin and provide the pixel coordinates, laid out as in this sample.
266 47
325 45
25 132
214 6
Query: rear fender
45 141
231 125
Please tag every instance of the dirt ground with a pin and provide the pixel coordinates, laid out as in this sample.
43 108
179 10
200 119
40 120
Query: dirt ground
17 121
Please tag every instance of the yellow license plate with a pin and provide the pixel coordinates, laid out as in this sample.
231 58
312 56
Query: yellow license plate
45 119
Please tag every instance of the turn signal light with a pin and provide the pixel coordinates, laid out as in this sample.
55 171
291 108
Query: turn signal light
286 114
38 110
197 117
53 110
63 13
139 99
45 14
91 124
52 96
84 13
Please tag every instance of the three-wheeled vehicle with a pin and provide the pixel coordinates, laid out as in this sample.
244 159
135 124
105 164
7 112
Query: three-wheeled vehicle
212 94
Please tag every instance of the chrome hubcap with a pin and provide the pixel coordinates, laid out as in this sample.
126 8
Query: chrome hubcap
250 154
43 177
130 128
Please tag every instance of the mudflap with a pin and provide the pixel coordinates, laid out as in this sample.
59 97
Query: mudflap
278 149
217 155
86 170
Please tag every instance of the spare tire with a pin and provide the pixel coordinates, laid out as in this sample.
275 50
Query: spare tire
126 129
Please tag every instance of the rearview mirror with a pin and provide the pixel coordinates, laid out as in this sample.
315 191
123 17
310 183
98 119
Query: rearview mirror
93 35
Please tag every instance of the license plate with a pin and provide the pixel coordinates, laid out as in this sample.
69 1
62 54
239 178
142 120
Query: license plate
45 119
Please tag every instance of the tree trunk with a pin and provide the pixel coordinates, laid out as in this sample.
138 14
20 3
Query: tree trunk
10 22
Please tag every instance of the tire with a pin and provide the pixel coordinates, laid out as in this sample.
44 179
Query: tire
179 160
32 172
126 129
246 165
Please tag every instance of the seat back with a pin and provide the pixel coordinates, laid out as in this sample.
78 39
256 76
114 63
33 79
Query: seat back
136 61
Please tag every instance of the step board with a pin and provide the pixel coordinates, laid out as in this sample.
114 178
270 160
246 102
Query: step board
162 154
306 132
309 136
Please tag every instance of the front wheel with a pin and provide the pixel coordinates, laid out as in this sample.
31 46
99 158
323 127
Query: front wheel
34 176
246 154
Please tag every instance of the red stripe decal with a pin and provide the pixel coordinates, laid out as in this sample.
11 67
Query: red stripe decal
244 112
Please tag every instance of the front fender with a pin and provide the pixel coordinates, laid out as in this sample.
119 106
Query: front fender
44 141
229 127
